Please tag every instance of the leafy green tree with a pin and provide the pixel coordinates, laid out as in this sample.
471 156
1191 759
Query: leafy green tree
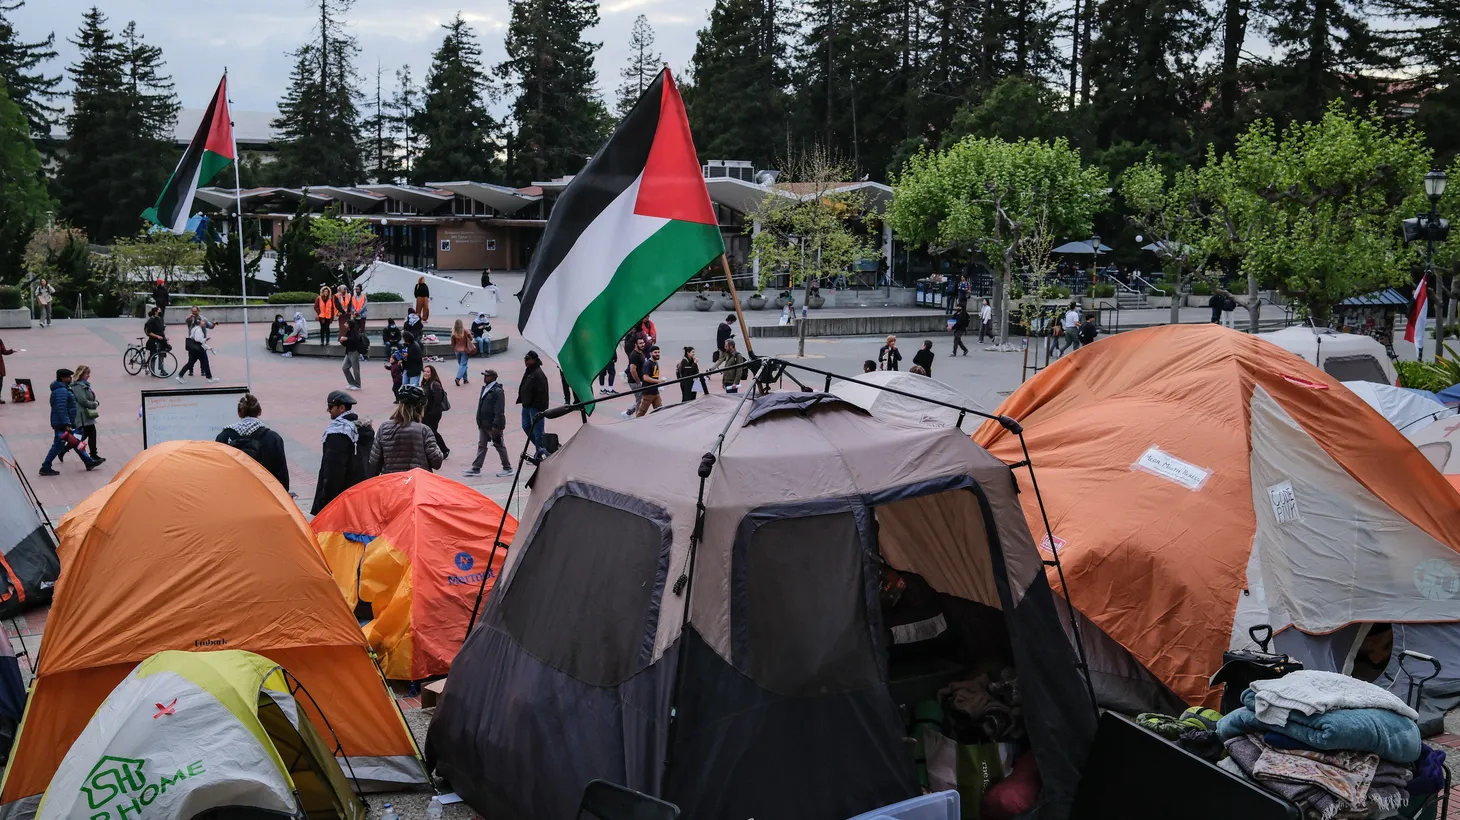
119 146
1168 213
161 255
642 67
297 268
738 110
560 120
996 197
819 230
345 247
32 91
23 196
1016 108
319 116
458 132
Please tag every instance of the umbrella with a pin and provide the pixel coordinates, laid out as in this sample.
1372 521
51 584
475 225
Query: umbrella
1081 246
1157 247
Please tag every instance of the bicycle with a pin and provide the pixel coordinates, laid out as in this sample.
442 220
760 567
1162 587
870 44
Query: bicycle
134 358
159 364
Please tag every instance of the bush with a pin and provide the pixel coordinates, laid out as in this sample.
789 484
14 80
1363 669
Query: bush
1421 376
1104 290
60 311
1054 292
293 297
1201 287
385 296
10 298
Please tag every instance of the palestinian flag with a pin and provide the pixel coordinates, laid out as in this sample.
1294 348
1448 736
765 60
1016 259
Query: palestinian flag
629 230
208 154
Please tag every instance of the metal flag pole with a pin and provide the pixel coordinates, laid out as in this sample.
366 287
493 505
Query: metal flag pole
238 213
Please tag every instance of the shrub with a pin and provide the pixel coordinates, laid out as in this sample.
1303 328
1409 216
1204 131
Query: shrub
1104 290
293 297
1421 376
60 311
1201 287
10 298
385 296
1054 292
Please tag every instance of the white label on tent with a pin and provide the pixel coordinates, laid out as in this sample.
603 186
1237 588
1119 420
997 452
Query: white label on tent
1284 502
1436 579
1171 468
1052 549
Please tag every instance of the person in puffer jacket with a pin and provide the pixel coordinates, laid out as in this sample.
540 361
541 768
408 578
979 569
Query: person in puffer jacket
63 416
404 443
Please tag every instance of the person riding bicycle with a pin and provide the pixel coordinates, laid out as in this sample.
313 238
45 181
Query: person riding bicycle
155 331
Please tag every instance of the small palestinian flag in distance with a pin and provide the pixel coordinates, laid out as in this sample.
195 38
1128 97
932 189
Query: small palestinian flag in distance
208 154
628 231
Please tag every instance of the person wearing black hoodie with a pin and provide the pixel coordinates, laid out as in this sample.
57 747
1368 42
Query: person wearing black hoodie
261 444
532 394
347 442
414 359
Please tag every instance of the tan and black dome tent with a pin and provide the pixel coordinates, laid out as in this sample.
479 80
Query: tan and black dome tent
785 702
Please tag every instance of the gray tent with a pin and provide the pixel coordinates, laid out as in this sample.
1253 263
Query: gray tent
774 698
29 566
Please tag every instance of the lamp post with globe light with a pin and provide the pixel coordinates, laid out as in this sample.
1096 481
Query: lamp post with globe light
1435 229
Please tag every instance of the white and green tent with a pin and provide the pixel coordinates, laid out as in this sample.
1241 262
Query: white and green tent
190 734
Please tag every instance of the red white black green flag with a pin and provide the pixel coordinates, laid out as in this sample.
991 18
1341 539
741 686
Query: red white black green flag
628 231
208 154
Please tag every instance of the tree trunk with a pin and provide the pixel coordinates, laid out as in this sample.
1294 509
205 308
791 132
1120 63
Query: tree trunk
1254 307
1000 309
1176 300
1234 35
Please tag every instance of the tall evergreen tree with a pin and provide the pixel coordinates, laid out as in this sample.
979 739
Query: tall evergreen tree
1329 50
382 157
319 115
119 146
560 120
1428 45
738 110
1144 72
458 133
404 105
643 65
23 197
32 91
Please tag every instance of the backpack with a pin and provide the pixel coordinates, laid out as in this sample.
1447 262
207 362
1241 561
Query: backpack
250 444
445 400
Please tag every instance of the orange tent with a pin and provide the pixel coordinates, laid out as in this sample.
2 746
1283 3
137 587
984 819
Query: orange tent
1200 481
414 546
193 546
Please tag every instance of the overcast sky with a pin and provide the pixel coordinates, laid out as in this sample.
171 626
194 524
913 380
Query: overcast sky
251 37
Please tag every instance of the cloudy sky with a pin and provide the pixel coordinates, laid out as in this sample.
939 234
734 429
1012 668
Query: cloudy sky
251 37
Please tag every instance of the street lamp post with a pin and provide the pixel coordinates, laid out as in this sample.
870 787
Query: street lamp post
1094 262
1435 182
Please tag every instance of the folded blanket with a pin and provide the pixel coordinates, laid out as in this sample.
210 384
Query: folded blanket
1429 773
1380 731
1287 744
1345 775
1383 799
1312 692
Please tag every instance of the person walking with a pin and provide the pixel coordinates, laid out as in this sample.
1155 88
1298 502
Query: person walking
4 351
261 444
635 370
161 298
44 293
889 356
196 345
462 345
959 328
491 421
1088 330
650 376
347 443
404 443
356 345
985 321
1229 309
324 313
609 371
532 394
481 335
1070 325
723 333
63 414
86 407
437 402
423 299
1215 303
924 358
734 363
413 359
687 367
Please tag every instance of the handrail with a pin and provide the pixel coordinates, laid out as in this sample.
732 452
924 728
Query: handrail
1143 281
1119 285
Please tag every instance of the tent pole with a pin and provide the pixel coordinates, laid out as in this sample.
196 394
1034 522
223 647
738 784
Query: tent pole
497 539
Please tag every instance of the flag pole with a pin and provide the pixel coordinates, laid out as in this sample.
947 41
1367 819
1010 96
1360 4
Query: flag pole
734 297
238 213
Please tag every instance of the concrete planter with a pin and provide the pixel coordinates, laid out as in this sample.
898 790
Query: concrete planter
19 317
815 301
756 302
1161 301
702 303
726 303
377 312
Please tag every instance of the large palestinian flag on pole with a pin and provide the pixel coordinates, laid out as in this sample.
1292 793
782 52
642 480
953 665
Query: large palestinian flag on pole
629 229
208 154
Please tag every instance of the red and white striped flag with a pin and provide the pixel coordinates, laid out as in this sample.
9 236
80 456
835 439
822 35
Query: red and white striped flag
1415 331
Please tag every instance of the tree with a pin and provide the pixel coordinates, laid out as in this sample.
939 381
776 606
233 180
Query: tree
1428 45
221 260
382 161
404 105
549 66
296 268
810 234
319 116
1015 109
994 197
23 196
119 146
32 91
151 255
1169 214
643 65
738 107
1329 51
344 246
458 132
1144 71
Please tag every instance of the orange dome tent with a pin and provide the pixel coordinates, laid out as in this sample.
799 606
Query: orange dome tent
193 546
413 546
1200 481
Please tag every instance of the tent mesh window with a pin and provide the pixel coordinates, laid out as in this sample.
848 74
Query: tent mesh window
1355 369
579 601
806 607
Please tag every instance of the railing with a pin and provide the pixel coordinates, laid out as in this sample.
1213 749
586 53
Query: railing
1149 287
1119 285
